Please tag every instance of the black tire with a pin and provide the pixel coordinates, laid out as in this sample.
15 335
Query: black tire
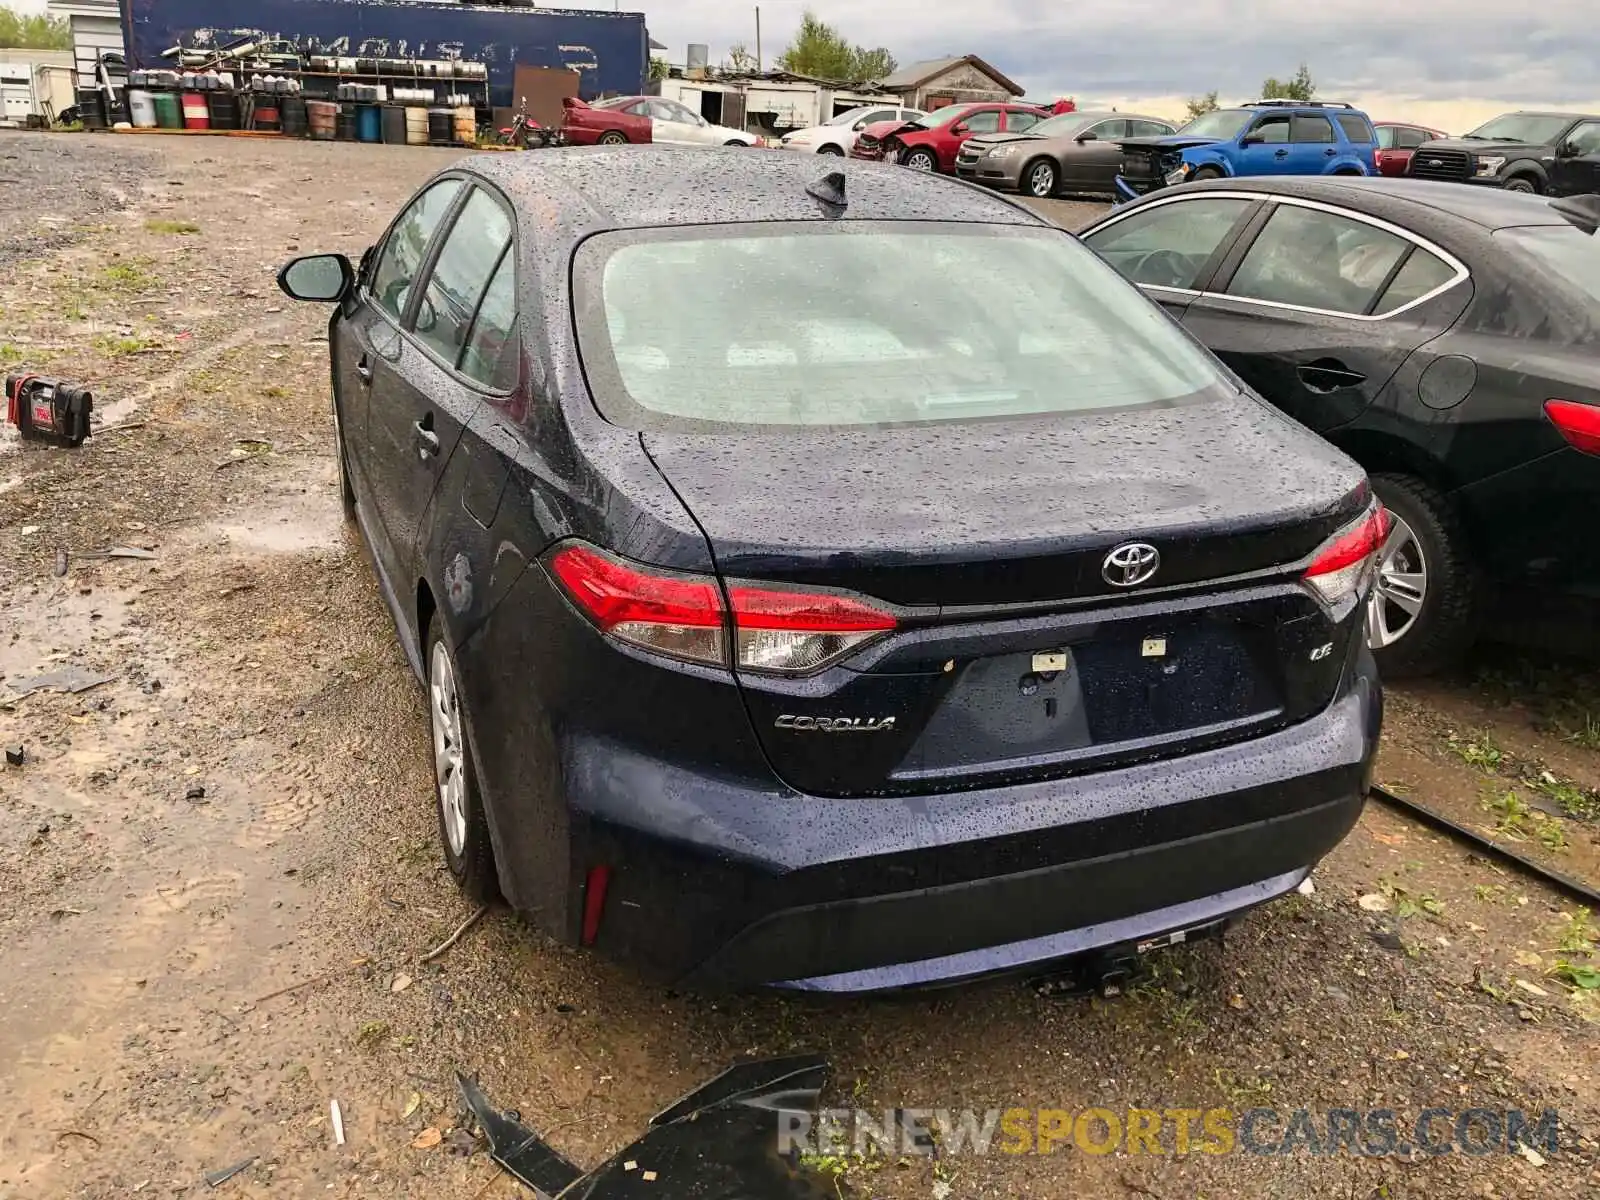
830 148
1448 620
473 868
736 142
1051 178
1523 183
1205 173
612 137
920 158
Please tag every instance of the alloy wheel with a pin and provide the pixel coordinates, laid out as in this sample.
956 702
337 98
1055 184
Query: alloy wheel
1401 587
449 751
919 160
1041 180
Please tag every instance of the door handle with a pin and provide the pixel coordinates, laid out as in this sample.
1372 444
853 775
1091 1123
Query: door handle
427 439
363 371
1329 377
1330 151
1281 154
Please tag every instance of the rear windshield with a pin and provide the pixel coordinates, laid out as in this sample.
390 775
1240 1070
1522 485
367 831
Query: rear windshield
1563 250
869 323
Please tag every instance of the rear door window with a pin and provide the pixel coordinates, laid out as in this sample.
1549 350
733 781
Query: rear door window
491 354
1313 129
1148 129
1109 131
407 246
468 258
1167 245
1410 138
1388 137
1016 122
1310 258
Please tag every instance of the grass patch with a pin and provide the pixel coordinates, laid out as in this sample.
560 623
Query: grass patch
1478 751
161 225
119 346
9 353
127 276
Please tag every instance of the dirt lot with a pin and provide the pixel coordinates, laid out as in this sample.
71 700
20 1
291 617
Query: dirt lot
245 805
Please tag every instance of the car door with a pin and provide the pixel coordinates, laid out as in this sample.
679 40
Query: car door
370 342
1171 248
414 427
1093 162
1264 147
1316 309
1576 170
675 125
1313 145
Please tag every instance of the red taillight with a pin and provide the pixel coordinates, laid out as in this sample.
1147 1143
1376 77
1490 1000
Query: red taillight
1345 561
1578 423
594 901
683 616
676 615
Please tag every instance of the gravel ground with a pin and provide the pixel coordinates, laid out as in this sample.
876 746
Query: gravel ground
245 808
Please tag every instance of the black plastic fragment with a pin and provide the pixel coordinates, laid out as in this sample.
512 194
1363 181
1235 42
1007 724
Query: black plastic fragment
719 1142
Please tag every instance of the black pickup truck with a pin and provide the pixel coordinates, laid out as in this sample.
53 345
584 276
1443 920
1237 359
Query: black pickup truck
1551 154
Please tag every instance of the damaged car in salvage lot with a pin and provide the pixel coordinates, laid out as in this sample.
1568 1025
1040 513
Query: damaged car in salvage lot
777 629
930 143
1442 336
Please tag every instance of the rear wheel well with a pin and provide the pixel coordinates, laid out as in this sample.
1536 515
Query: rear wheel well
1347 171
426 607
1380 454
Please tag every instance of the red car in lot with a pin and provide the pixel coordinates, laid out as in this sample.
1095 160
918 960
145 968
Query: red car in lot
1397 141
930 143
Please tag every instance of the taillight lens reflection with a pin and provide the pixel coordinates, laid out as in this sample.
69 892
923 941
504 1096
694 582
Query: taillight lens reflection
775 630
1346 562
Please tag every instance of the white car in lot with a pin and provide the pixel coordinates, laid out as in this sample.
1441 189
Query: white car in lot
676 124
838 135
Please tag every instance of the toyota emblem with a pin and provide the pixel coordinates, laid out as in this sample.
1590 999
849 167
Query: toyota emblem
1130 564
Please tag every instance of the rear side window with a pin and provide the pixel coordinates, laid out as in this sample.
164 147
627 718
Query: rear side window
1311 129
869 323
470 253
1355 128
1315 259
1417 276
407 245
491 353
1167 245
1016 122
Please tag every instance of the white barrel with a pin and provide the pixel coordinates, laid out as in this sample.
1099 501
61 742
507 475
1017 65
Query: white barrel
416 126
141 109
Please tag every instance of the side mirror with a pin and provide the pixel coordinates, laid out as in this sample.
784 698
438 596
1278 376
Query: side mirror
1087 136
861 124
1571 150
1253 139
320 277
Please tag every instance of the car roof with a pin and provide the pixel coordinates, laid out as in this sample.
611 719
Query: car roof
577 190
1395 199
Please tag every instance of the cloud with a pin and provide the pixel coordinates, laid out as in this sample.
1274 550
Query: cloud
1463 52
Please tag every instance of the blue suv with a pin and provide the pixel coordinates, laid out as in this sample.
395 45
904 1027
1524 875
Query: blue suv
1268 137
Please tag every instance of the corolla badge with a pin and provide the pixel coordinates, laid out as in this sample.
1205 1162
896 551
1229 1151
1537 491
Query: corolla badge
836 724
1130 564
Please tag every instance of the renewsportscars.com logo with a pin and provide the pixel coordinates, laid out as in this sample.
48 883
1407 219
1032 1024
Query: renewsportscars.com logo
1368 1133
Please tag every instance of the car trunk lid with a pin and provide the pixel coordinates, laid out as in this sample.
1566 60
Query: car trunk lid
1015 655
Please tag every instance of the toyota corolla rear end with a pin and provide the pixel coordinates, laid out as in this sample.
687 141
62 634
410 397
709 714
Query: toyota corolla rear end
1019 630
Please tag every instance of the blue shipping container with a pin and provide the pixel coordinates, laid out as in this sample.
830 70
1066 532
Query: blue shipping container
609 50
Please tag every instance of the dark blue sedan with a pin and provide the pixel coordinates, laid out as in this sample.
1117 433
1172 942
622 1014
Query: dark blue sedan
832 577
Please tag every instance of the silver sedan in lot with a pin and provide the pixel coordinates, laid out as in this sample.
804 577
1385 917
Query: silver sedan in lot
1073 152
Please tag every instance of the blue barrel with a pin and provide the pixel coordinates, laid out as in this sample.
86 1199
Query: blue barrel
369 123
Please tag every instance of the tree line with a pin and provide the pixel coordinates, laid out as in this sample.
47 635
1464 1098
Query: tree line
1299 86
40 32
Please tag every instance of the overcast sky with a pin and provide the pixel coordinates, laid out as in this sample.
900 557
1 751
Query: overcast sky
1451 62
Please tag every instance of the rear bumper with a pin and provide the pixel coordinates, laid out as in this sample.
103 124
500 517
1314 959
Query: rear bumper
718 885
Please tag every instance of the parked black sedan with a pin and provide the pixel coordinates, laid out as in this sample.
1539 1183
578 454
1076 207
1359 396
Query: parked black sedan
1445 337
839 580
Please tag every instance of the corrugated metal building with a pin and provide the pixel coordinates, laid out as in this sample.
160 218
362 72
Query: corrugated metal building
96 29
